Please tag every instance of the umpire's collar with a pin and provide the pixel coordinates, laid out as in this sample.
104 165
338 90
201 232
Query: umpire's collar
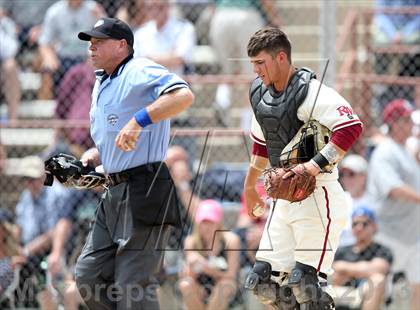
101 73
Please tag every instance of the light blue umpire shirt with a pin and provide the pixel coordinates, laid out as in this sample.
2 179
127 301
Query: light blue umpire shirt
134 84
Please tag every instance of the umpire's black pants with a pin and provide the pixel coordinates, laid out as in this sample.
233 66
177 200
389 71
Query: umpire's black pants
124 250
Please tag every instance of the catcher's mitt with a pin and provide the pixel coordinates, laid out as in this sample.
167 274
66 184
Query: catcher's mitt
295 188
71 172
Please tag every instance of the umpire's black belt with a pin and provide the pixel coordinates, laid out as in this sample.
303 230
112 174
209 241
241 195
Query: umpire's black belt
124 176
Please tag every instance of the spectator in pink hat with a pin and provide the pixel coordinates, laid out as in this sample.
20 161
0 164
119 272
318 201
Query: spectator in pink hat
209 279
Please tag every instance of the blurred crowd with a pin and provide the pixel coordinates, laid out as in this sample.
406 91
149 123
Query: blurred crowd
208 257
42 235
42 38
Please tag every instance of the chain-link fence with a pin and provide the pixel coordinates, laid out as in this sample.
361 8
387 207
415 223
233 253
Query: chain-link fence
47 78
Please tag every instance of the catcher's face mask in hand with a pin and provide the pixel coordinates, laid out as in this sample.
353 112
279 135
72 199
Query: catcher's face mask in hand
70 172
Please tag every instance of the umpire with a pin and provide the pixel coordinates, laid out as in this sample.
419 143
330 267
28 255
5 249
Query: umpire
131 102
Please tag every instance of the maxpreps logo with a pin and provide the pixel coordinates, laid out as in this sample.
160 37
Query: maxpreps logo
344 110
112 119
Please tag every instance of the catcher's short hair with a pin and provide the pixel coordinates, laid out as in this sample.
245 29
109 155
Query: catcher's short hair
269 39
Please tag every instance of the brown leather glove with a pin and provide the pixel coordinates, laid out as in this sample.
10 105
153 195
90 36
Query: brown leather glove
295 188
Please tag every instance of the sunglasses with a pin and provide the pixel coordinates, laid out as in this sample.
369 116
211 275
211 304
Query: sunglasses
363 223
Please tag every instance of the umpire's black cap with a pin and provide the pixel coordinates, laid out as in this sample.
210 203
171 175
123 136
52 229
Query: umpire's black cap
109 28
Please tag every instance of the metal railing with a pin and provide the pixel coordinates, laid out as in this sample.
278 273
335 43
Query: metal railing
358 72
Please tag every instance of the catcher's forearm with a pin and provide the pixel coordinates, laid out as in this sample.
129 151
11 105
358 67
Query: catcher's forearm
340 142
258 162
256 167
330 154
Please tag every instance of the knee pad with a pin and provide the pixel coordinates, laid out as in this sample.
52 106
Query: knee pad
260 273
325 302
258 281
306 288
268 291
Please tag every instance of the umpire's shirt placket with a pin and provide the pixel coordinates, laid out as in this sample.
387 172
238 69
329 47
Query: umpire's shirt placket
102 96
107 95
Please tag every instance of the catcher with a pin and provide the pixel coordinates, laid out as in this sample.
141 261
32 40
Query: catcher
302 128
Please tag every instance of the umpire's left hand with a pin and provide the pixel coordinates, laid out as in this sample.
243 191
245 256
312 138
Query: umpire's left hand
127 138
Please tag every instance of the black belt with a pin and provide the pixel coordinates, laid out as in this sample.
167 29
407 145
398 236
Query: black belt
124 176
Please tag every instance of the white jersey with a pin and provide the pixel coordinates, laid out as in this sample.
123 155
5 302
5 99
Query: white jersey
331 110
392 166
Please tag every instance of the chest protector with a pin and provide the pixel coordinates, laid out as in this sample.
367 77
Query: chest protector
276 113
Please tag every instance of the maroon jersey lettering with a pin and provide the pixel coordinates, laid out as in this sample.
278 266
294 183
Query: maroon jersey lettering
343 110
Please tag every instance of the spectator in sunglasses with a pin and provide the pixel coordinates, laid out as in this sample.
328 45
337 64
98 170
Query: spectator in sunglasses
360 269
